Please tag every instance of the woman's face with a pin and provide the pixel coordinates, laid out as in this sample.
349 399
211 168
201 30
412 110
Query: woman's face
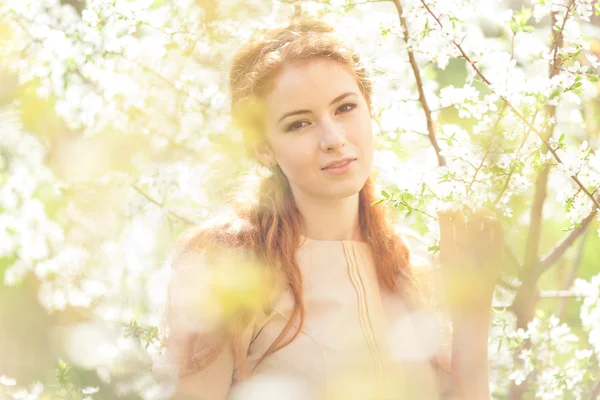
316 115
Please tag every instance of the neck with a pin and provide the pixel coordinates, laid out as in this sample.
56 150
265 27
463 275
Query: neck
329 219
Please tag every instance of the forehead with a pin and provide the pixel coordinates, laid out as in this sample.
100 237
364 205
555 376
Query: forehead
311 82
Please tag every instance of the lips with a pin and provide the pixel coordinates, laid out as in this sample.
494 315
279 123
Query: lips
339 163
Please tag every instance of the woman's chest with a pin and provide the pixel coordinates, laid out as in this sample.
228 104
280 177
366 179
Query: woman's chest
353 337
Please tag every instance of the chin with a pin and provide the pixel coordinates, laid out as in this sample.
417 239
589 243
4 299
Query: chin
345 189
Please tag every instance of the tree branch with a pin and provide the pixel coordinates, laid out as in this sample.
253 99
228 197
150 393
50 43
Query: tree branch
419 81
535 227
595 391
572 274
559 249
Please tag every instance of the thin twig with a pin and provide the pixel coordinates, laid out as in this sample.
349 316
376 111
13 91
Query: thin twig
554 294
487 151
512 257
156 202
411 208
419 82
368 2
558 37
513 168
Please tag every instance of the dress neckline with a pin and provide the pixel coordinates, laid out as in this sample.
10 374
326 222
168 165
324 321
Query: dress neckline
307 240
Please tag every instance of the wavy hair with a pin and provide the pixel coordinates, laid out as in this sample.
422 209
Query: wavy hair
270 229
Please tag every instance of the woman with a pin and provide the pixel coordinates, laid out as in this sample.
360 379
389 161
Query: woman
326 302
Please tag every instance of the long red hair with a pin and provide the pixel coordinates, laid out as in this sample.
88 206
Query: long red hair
269 230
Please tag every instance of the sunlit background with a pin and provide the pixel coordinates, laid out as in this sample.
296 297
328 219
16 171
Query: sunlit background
115 137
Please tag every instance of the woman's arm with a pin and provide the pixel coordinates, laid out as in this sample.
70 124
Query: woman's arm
199 361
214 380
469 360
211 382
471 253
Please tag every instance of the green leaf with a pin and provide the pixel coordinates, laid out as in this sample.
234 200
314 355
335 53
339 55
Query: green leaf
62 372
518 23
434 248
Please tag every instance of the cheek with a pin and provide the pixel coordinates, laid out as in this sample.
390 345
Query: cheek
296 161
365 143
363 138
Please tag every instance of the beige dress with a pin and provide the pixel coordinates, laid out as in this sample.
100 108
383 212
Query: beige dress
357 341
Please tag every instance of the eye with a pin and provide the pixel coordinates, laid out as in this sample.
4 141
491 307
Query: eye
295 126
351 106
344 108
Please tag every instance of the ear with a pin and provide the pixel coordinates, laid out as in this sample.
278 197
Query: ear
263 153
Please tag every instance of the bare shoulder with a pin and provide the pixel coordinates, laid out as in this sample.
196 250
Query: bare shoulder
217 279
226 231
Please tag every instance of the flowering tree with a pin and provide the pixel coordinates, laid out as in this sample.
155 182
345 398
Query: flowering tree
115 137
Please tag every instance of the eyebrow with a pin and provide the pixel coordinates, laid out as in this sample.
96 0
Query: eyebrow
339 98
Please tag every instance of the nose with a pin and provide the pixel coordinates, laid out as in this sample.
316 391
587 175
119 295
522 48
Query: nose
333 137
